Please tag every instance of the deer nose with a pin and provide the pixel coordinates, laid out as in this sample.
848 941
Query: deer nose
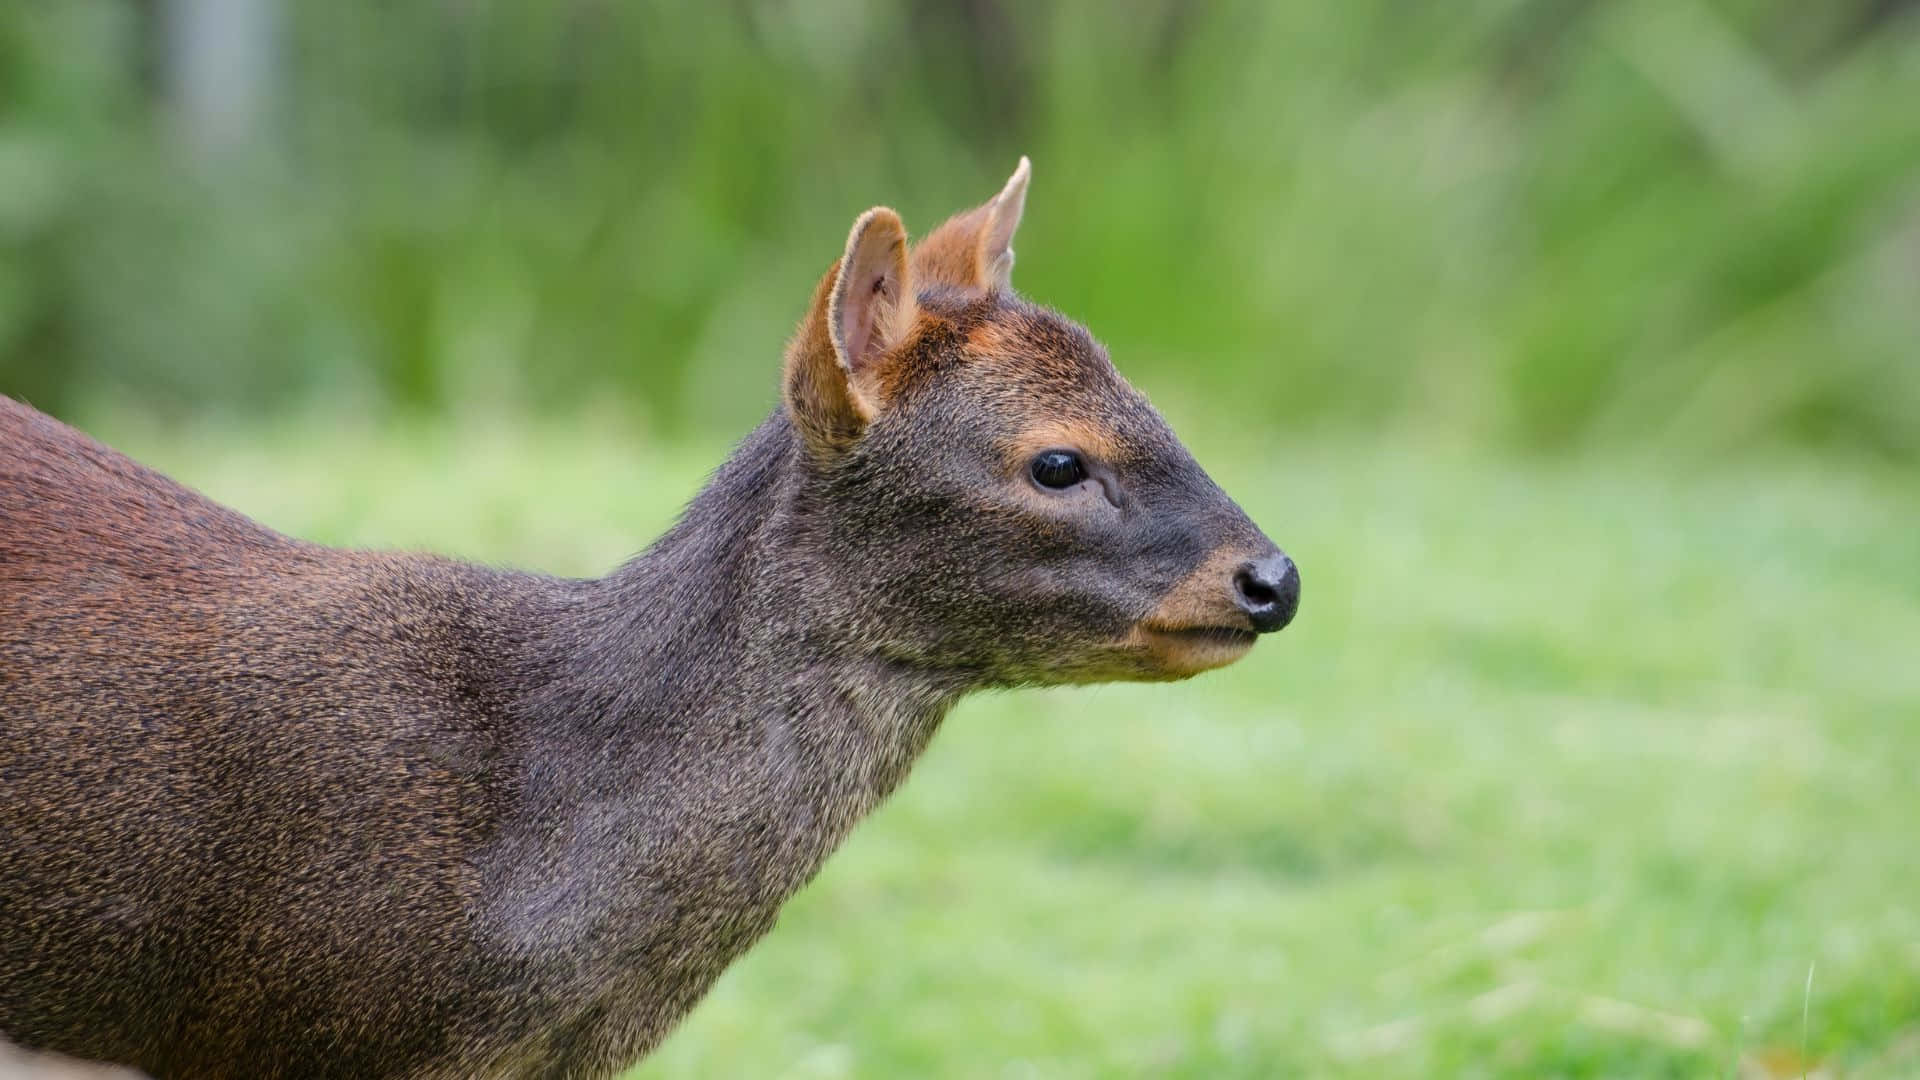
1268 590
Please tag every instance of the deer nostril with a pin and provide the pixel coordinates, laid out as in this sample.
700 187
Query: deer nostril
1254 591
1268 591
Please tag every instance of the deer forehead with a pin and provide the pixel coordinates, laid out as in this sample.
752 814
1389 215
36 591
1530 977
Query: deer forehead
1055 387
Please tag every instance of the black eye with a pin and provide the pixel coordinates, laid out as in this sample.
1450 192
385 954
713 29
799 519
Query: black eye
1058 469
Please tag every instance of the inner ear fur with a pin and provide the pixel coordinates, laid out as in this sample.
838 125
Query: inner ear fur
973 250
872 306
862 309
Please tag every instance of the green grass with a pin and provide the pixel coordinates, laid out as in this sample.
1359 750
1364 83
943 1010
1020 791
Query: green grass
1567 769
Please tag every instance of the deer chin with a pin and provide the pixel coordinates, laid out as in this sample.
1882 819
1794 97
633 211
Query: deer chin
1178 652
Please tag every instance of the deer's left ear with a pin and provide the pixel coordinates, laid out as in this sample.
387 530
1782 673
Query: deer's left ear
835 368
974 250
872 307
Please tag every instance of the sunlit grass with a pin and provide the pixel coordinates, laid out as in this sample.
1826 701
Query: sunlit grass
1567 769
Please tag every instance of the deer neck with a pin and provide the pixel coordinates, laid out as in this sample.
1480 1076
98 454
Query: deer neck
693 694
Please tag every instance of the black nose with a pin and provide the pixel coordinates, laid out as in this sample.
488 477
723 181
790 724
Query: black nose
1269 591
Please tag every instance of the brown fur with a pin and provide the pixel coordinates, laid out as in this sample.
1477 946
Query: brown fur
274 809
972 251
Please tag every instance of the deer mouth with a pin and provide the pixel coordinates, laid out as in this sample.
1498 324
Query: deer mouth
1205 635
1180 651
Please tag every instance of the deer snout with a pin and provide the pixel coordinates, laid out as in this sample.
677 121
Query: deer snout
1268 590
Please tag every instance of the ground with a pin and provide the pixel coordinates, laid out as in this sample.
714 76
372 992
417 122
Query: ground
1595 767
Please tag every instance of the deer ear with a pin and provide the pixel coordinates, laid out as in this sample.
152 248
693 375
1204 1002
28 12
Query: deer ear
872 306
974 250
861 310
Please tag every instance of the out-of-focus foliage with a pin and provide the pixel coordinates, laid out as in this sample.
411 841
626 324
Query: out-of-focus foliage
1527 222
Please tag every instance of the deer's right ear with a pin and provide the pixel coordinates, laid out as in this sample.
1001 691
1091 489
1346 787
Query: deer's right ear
974 250
861 310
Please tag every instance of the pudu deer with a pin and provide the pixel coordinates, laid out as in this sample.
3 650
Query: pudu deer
274 809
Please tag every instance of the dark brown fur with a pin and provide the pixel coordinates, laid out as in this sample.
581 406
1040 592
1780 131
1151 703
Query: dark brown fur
274 809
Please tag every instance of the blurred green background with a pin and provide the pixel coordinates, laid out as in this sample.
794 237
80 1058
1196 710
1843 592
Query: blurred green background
1572 347
1514 222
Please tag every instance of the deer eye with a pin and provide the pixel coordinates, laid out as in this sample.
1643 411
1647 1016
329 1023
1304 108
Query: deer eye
1058 469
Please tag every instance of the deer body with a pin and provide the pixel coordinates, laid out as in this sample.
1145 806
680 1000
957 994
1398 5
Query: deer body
481 794
274 809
